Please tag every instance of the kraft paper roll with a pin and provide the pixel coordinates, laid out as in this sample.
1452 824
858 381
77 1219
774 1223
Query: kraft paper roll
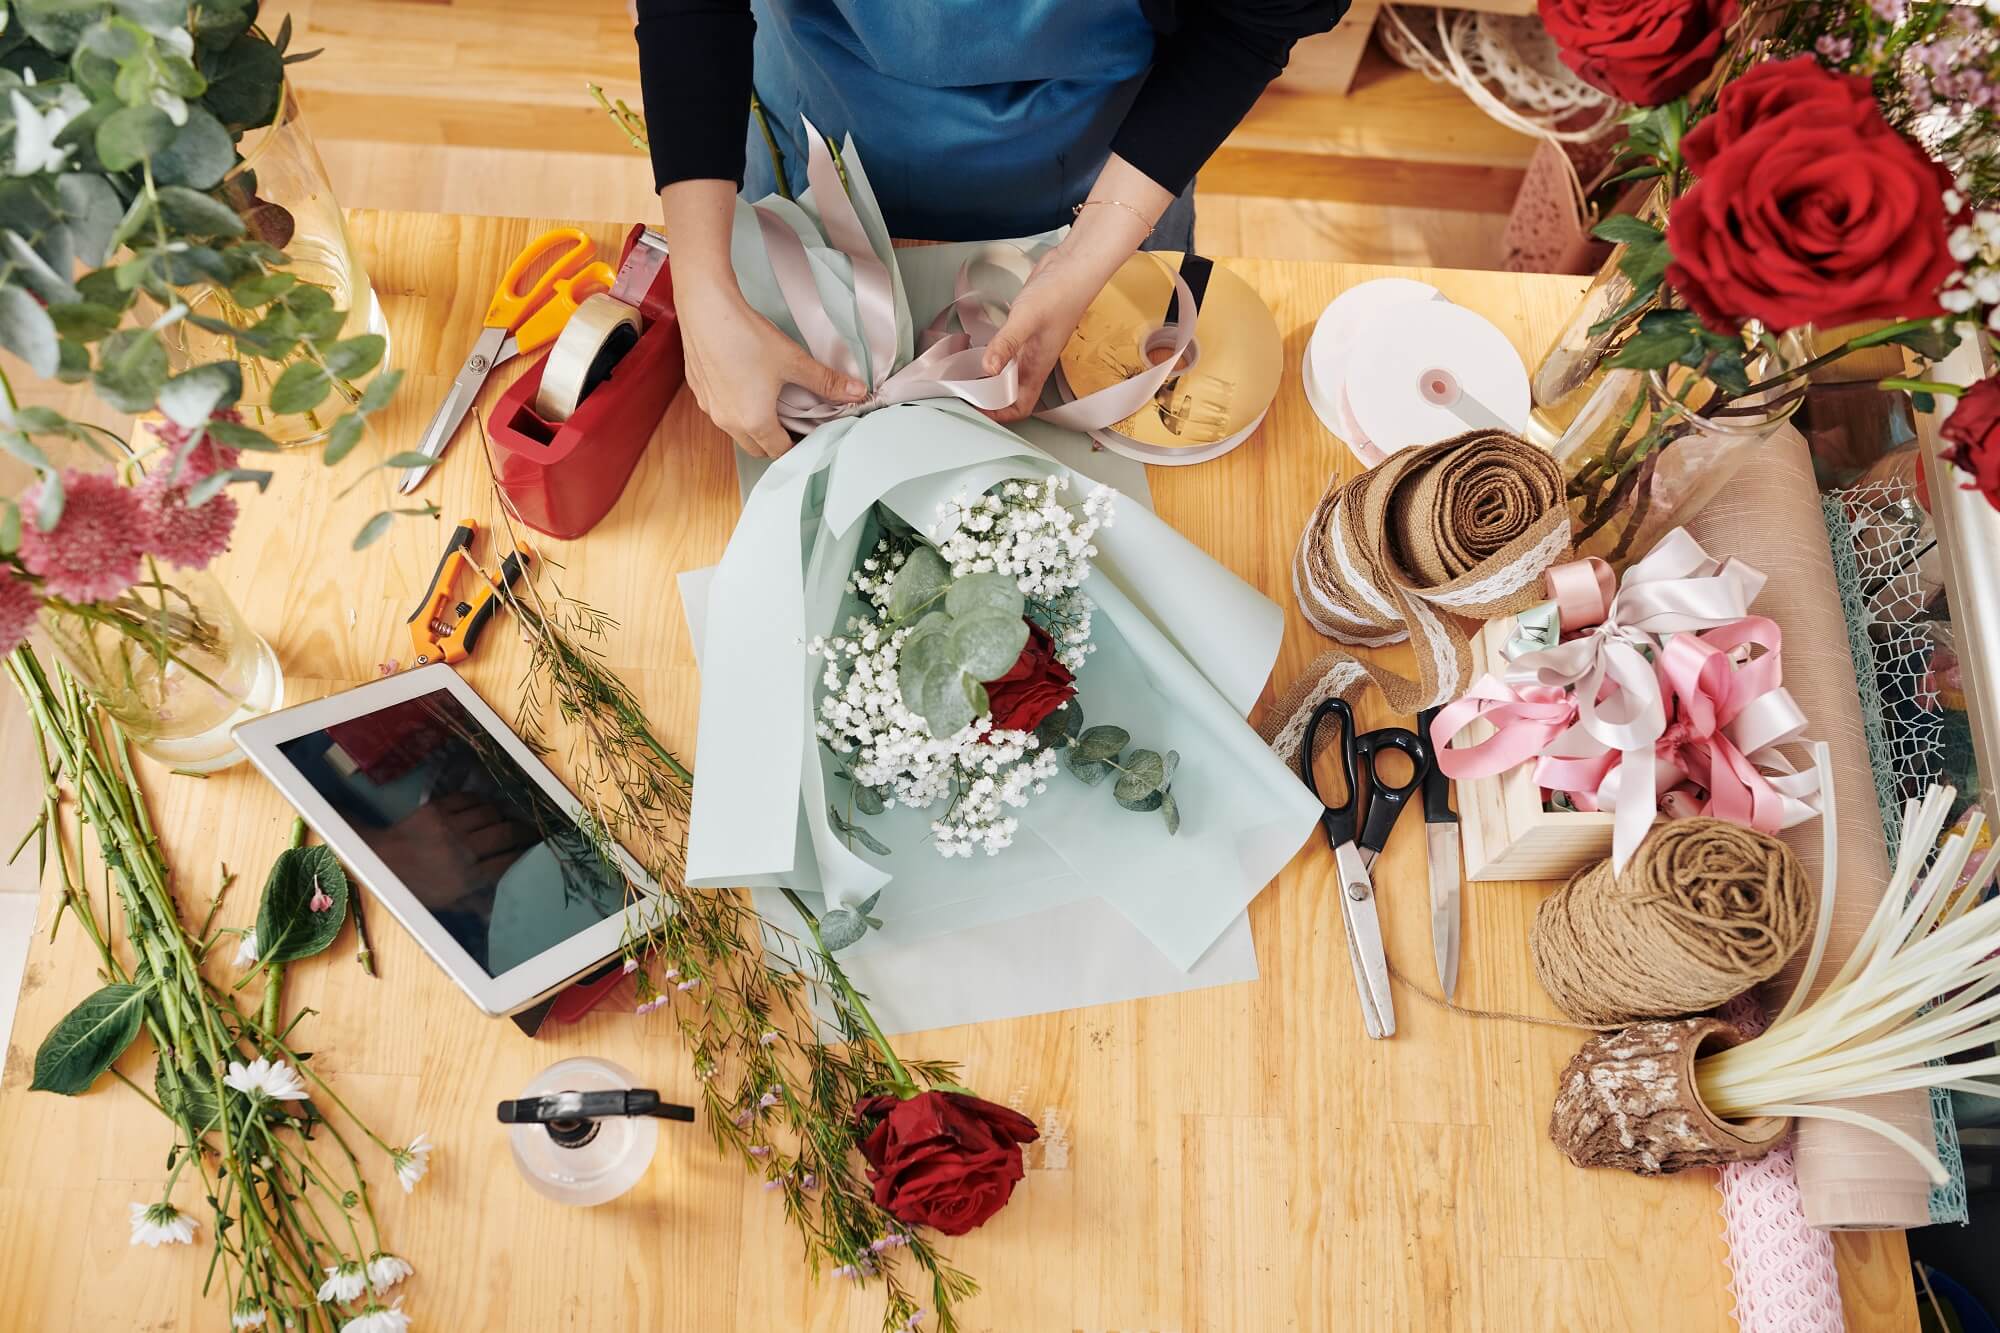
1770 514
601 331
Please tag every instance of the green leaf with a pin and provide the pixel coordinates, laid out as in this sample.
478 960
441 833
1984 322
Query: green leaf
91 209
868 800
351 358
346 433
380 390
302 387
245 80
921 582
87 1040
1653 351
1645 265
27 331
841 928
1100 743
1089 771
85 321
985 592
1144 804
131 367
49 512
1933 342
1145 772
188 1100
262 289
1923 401
199 156
242 437
158 17
36 272
947 701
10 527
408 458
371 531
987 644
190 398
287 927
1729 373
1624 229
21 447
72 362
854 830
196 213
1058 728
1172 764
132 134
1171 809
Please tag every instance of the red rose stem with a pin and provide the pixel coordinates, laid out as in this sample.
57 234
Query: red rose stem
1770 515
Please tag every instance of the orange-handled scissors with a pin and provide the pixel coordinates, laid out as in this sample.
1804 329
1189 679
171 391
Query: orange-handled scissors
523 315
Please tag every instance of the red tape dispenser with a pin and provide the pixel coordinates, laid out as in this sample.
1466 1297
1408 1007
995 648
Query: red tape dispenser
567 434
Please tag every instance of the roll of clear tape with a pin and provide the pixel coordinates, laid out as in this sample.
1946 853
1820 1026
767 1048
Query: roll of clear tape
598 335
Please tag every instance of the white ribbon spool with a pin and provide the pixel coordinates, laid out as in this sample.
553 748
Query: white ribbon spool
602 330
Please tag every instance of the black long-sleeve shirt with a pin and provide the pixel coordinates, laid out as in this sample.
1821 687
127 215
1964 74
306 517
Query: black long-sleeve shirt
1210 62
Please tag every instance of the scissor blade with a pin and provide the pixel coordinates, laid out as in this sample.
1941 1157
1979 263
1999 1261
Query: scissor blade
1364 945
451 412
1442 842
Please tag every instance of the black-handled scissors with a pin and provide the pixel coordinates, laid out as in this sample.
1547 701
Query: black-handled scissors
1358 828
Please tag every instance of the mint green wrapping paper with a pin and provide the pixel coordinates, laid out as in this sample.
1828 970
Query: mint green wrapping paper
1183 648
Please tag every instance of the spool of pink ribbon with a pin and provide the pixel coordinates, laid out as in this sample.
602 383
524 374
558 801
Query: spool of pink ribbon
1663 693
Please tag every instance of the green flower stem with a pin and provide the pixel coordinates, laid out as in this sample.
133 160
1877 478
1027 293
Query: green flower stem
1923 386
905 1085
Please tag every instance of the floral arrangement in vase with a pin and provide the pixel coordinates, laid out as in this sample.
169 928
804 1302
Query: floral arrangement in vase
1795 192
957 683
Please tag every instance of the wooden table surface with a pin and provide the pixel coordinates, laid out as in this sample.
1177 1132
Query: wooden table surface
1230 1159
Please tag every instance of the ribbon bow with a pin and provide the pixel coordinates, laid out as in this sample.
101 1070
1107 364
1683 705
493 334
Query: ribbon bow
1677 588
951 363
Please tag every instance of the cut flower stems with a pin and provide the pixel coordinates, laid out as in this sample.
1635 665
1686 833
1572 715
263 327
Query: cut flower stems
1923 985
250 1115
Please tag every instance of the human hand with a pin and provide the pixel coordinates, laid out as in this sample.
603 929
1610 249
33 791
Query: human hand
1059 289
738 361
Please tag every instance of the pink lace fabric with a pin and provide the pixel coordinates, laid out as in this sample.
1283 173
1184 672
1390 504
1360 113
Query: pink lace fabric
1782 1271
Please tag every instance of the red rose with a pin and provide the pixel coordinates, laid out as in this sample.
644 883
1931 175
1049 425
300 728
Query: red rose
1763 93
943 1159
1035 686
1809 217
1973 429
1643 51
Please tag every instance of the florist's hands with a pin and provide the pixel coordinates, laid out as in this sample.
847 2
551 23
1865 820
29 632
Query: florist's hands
737 360
1111 225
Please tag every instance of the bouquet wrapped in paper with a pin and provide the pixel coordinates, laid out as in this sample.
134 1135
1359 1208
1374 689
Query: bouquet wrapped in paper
950 680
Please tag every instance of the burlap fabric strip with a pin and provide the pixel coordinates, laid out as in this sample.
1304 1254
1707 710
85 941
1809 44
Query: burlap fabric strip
1411 549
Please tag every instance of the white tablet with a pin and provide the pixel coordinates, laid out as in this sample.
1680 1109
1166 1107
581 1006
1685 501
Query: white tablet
456 827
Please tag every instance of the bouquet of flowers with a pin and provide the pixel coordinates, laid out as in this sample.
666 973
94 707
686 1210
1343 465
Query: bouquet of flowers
957 683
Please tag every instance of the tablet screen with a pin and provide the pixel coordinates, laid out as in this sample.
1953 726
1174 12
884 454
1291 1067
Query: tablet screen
503 869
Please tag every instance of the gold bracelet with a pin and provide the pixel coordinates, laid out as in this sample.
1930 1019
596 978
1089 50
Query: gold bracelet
1077 210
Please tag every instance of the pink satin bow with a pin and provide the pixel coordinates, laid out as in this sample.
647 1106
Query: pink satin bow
950 364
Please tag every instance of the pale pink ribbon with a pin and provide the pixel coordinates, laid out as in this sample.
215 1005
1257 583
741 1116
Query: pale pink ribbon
952 363
1677 588
1731 715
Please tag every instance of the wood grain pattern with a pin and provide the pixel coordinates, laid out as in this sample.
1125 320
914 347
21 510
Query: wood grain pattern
1231 1159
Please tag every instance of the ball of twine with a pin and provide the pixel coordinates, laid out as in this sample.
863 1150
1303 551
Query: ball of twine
1705 910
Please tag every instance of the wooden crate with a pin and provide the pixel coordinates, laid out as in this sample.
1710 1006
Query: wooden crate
1505 832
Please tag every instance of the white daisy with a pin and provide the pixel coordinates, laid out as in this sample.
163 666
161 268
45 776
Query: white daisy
158 1224
379 1319
270 1080
343 1284
386 1270
246 950
248 1314
412 1162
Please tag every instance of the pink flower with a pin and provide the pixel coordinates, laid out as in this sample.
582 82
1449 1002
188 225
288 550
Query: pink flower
207 458
92 553
320 901
186 535
18 605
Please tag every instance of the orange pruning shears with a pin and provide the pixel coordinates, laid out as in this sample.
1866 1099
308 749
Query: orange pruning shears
444 627
524 314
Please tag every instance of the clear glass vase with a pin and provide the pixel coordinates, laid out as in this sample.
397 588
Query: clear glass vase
173 661
281 191
1643 452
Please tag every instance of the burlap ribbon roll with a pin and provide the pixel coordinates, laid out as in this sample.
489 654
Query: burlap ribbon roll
1629 1099
1705 910
1410 549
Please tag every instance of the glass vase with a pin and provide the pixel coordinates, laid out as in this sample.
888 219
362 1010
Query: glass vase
172 660
281 191
1643 451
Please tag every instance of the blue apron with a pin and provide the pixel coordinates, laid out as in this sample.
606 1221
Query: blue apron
976 118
